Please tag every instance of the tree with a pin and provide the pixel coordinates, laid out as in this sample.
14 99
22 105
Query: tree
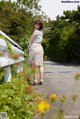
16 20
64 38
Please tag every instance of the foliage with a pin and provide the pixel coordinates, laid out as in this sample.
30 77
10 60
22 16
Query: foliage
12 54
65 104
18 98
8 44
24 42
16 18
63 40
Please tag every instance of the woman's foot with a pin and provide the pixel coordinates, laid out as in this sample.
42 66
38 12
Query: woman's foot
40 82
35 82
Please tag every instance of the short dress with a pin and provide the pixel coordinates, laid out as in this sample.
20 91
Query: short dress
36 51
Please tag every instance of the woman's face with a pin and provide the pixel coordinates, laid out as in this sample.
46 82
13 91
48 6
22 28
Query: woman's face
36 26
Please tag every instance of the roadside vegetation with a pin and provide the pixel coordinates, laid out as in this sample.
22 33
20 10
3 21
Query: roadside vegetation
17 98
61 43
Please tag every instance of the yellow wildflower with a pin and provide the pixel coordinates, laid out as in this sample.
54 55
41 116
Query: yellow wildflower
43 106
63 98
74 97
53 97
77 77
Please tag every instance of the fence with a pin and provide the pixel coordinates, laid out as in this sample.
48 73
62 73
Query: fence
10 53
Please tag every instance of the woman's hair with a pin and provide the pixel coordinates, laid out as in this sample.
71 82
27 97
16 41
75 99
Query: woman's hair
39 23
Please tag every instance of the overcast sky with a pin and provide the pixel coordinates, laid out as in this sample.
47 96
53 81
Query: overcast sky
52 8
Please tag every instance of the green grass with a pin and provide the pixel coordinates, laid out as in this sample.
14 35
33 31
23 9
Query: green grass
18 98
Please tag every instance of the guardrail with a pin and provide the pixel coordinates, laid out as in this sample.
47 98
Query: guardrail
10 53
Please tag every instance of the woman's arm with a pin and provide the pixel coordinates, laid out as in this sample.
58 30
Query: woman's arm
32 38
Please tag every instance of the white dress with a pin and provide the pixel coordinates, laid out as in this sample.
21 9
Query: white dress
36 51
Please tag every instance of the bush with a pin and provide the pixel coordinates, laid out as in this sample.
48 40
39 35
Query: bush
17 98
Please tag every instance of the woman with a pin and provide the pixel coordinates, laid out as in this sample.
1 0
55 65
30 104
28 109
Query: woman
36 51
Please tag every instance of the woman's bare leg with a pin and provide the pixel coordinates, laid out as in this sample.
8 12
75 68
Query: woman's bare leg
41 70
35 68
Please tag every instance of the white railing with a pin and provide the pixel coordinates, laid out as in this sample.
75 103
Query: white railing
9 58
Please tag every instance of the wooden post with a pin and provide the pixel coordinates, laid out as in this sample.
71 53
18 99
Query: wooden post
7 76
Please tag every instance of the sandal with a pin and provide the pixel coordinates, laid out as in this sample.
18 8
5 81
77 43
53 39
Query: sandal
40 82
35 83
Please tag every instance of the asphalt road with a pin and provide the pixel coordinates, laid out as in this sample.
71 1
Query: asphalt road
59 79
